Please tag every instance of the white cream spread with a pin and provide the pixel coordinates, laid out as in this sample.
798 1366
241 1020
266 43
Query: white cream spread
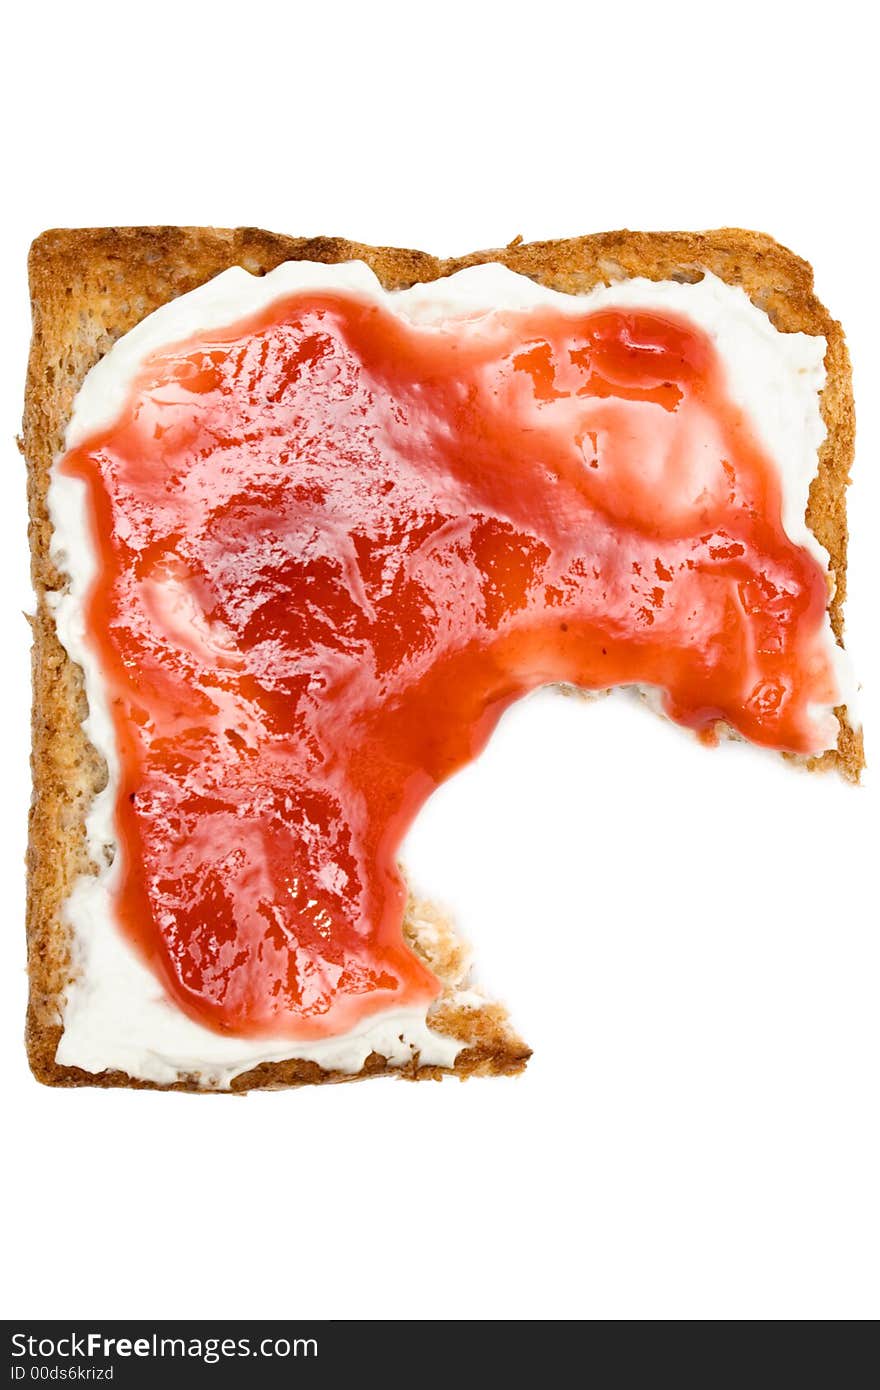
116 1013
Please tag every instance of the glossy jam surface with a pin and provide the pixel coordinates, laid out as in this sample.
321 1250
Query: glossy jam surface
335 546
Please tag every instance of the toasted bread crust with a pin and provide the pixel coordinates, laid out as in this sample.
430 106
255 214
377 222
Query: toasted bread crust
88 287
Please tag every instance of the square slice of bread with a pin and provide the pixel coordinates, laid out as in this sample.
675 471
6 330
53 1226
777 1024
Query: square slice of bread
88 287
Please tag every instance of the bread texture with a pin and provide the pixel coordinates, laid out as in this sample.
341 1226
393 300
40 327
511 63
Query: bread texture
88 288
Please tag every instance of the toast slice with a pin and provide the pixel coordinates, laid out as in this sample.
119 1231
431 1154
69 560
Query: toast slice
88 287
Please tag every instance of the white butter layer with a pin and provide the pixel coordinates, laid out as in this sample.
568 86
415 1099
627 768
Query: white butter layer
116 1013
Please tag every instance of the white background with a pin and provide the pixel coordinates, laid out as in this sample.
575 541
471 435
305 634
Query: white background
689 940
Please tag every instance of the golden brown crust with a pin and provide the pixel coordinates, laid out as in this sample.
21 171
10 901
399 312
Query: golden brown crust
88 287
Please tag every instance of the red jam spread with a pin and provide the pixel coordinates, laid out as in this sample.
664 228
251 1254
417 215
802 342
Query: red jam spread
335 546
